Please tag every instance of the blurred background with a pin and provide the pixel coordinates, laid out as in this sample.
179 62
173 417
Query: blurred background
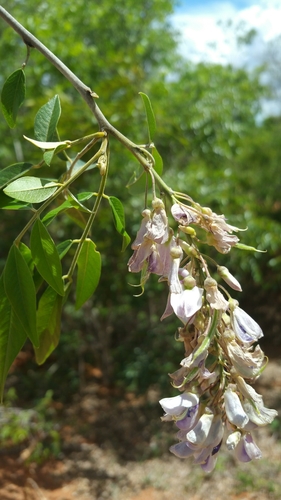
212 72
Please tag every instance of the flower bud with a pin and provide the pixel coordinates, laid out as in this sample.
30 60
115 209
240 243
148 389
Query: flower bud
228 278
189 282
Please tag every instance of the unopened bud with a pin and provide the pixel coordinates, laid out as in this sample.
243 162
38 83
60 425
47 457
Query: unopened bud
229 278
188 230
188 249
206 211
176 252
102 163
157 203
189 282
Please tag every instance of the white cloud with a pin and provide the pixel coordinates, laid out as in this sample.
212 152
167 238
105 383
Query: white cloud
203 39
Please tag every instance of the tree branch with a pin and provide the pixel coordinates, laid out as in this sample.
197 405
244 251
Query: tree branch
85 91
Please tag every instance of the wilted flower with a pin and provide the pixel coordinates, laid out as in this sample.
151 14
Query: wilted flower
214 296
253 405
248 362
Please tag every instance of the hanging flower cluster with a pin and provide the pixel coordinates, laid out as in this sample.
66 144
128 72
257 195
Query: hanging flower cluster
223 357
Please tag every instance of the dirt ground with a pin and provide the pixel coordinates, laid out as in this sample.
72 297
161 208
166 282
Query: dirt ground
117 449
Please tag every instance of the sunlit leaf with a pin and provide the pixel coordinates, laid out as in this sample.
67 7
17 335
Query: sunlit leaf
12 96
151 123
31 189
46 257
119 219
46 120
49 145
20 290
12 172
12 336
48 324
89 270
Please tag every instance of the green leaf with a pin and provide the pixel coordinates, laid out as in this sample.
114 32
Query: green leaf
158 166
49 155
48 324
149 116
46 120
12 172
46 257
89 271
63 247
31 189
21 293
119 219
70 203
12 96
27 255
12 336
6 203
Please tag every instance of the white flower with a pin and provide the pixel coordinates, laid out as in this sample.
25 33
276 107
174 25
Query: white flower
173 278
199 433
234 409
233 440
177 405
186 303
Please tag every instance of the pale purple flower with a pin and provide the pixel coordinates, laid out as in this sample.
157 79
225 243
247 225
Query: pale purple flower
157 227
184 215
140 255
246 449
143 229
245 328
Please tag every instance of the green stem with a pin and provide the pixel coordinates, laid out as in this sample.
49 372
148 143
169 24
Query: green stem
88 226
64 186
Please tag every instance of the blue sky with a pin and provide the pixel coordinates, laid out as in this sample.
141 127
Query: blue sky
189 5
